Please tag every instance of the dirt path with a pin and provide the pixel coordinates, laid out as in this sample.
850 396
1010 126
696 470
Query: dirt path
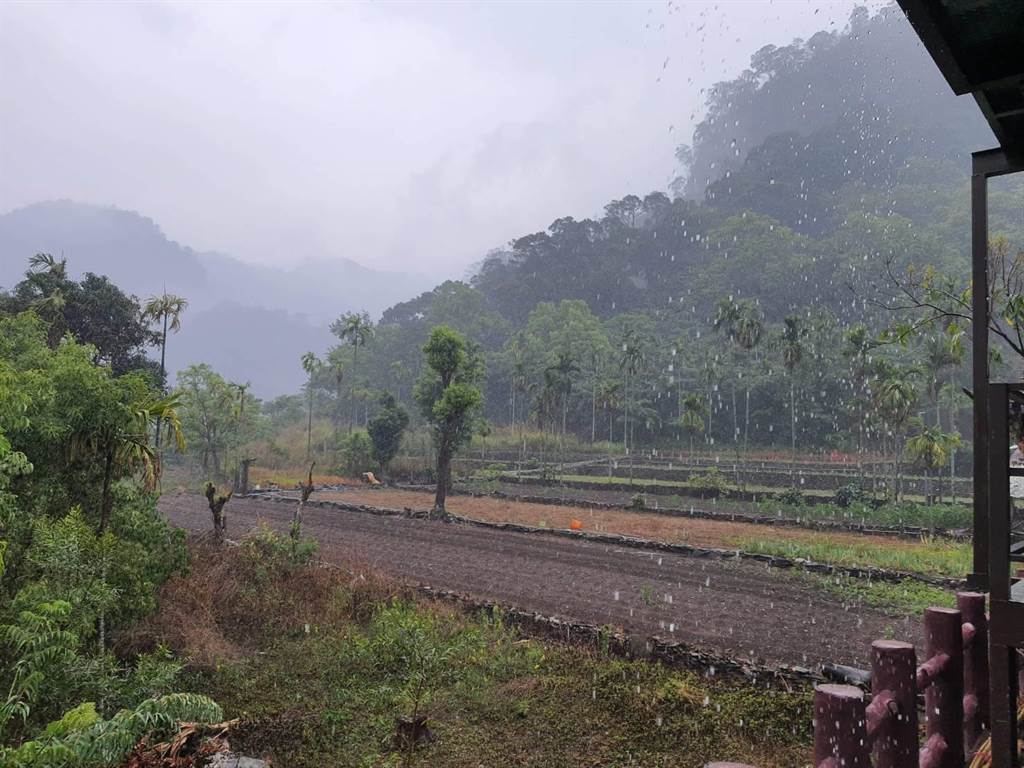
732 607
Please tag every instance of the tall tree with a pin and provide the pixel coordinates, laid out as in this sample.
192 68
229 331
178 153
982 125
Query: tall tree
630 362
562 373
691 418
118 438
791 344
449 399
743 324
386 429
310 364
165 310
356 329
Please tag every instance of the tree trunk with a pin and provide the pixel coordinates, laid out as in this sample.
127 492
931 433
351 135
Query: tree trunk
220 523
792 426
106 498
352 388
735 419
711 409
746 421
593 411
625 418
444 462
952 452
163 378
309 423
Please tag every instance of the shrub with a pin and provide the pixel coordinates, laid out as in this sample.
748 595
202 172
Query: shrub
272 554
638 502
848 495
712 480
357 454
791 496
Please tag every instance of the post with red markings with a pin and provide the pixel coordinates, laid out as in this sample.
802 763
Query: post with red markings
892 713
840 732
942 675
976 694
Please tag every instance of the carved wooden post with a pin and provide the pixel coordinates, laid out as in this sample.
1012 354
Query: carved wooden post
943 674
976 695
840 732
892 714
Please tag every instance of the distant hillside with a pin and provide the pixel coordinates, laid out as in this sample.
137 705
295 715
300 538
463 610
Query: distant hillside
239 312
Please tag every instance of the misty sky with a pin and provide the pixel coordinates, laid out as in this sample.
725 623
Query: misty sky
403 136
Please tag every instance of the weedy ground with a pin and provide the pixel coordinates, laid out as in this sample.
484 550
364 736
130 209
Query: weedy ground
318 663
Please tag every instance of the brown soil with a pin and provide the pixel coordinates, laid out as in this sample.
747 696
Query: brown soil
731 607
646 525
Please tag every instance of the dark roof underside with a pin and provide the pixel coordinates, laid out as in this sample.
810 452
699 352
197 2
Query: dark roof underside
979 47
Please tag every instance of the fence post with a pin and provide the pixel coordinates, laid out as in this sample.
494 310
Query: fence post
976 695
943 674
892 714
840 731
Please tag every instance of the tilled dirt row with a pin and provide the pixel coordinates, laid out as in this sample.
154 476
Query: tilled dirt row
729 607
696 531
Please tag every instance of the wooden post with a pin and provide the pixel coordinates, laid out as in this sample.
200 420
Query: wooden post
943 673
892 715
840 733
976 697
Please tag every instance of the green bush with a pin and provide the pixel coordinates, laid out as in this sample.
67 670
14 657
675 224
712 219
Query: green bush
792 497
848 495
357 454
711 480
272 554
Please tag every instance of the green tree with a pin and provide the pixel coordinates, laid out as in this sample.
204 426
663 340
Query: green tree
561 375
691 419
743 323
791 346
895 396
356 329
449 399
165 310
931 449
118 438
215 419
311 365
386 429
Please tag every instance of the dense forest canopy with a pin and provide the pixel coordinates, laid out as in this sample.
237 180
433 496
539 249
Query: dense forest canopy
814 181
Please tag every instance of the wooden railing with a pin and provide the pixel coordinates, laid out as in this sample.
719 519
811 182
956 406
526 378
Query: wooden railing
852 730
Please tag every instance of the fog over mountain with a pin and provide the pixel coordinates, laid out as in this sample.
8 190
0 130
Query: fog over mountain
279 311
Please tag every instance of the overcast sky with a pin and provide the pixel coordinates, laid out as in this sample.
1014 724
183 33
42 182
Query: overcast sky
409 136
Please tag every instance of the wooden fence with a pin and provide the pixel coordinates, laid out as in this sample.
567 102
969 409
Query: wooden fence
852 730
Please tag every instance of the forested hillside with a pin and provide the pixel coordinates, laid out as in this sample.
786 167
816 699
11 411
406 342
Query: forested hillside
814 181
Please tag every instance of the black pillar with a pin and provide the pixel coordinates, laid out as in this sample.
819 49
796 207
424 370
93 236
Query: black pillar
979 336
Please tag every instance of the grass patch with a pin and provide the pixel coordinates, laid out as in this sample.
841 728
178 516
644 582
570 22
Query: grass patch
934 557
896 599
949 516
493 698
318 664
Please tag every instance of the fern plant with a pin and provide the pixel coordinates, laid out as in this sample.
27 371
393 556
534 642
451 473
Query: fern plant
81 740
43 650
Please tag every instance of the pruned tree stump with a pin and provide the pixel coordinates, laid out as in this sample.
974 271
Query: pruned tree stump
412 732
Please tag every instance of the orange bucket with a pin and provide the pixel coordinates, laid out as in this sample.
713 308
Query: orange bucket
576 525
